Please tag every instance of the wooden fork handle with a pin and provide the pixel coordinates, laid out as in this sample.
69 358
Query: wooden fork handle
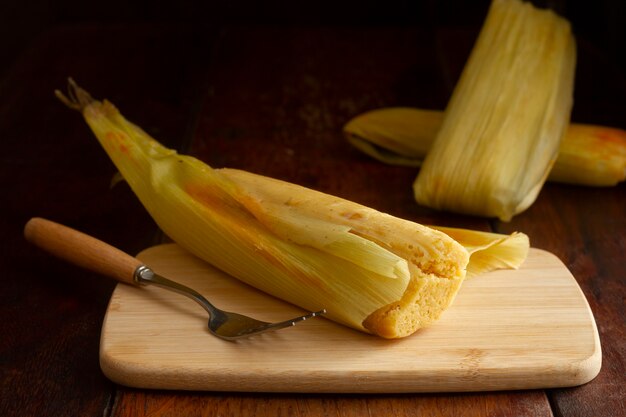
81 249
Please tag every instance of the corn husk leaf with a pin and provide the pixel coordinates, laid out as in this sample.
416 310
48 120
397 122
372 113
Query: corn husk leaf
490 251
397 136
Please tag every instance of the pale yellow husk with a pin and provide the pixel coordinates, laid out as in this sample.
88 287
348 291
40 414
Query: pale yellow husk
490 251
503 125
589 155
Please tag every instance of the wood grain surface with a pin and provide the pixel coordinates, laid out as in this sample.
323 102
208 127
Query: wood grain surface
523 329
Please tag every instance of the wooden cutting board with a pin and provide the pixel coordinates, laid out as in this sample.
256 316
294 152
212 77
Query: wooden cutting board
529 328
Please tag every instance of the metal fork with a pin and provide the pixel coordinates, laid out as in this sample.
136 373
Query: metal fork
100 257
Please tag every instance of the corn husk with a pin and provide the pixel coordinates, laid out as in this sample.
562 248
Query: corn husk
490 251
589 155
396 135
504 123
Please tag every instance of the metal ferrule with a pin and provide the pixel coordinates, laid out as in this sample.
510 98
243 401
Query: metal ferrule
143 275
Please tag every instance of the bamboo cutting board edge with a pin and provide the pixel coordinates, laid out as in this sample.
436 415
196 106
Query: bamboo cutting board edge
150 340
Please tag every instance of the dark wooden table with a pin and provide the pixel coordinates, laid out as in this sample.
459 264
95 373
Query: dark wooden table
269 99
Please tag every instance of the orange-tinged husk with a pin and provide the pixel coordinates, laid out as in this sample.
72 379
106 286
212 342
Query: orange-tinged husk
589 155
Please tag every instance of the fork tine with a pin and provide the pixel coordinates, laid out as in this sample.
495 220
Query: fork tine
287 323
274 326
309 316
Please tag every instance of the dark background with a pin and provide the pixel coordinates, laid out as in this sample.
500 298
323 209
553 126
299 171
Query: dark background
599 22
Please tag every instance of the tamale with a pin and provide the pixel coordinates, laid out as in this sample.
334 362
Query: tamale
369 270
503 125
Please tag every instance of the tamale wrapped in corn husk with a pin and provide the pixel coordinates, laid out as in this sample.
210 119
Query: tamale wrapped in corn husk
589 155
368 270
503 125
311 249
